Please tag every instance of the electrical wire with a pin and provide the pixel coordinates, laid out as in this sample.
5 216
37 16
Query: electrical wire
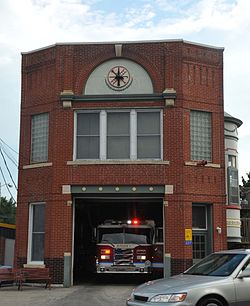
4 152
7 186
6 165
7 154
8 145
19 154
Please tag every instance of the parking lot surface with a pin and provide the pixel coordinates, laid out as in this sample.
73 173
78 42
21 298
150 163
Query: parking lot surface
87 294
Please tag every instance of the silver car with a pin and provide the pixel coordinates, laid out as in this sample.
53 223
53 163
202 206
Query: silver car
221 279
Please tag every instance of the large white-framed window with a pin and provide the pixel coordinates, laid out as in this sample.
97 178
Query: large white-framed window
201 135
36 233
128 134
39 137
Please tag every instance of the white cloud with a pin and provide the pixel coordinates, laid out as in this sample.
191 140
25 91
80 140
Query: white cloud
27 25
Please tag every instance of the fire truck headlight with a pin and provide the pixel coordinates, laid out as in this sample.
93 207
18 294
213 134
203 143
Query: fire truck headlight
141 257
103 257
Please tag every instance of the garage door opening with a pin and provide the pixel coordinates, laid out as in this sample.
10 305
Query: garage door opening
90 213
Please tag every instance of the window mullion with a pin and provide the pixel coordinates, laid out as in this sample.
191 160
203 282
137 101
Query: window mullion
133 135
103 135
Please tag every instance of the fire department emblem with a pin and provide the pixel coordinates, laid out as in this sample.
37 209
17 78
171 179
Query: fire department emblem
118 78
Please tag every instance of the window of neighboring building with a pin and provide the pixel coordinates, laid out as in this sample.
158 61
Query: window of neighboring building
36 232
201 135
118 134
233 186
232 161
39 137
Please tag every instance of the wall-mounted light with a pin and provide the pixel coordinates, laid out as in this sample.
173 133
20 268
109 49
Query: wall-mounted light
218 229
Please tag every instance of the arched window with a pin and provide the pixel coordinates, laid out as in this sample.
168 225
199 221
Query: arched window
118 76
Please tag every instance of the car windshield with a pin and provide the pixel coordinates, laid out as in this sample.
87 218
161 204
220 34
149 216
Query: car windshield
216 265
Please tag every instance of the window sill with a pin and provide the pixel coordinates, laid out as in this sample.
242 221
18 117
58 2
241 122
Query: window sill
35 264
195 163
40 165
118 162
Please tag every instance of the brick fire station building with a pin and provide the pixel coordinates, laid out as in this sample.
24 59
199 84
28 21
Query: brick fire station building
113 130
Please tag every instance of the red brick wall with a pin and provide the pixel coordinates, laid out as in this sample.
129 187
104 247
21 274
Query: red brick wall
195 72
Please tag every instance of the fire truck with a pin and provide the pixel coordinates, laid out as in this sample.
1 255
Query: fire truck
131 246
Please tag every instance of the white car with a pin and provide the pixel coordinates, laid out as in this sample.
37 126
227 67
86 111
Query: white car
221 279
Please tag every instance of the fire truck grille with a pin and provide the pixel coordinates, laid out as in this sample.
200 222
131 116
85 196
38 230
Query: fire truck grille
123 256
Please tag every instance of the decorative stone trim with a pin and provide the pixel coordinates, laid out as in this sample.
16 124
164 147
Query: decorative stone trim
66 189
117 162
168 95
169 189
157 190
67 104
118 50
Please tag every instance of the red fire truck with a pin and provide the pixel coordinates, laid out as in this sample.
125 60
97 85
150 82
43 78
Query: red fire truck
131 246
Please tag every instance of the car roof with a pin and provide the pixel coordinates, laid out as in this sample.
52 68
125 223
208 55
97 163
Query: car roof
234 251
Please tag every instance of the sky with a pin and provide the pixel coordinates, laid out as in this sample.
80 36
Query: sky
26 25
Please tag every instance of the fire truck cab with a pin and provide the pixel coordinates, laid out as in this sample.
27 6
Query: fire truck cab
125 246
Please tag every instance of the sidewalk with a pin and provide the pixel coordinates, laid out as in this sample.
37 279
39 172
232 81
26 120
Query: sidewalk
82 295
33 296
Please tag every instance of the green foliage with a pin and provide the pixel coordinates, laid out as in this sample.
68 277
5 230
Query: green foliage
244 182
7 211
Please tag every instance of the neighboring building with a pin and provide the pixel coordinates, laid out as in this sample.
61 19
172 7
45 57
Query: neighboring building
245 224
245 215
7 244
116 130
232 180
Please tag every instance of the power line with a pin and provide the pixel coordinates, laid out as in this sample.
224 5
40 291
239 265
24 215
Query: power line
6 184
6 165
8 146
19 154
3 150
10 157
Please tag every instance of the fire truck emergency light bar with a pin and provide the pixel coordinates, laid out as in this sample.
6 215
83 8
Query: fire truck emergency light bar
133 221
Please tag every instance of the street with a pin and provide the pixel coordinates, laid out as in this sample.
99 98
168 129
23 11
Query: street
86 294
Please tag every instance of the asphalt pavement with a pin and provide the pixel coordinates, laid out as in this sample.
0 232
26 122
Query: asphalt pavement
87 294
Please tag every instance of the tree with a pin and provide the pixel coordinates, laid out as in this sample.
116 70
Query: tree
7 211
244 182
245 187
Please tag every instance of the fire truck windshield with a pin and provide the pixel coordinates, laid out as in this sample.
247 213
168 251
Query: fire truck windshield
125 235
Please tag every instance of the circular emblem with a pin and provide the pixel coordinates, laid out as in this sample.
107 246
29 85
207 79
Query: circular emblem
118 78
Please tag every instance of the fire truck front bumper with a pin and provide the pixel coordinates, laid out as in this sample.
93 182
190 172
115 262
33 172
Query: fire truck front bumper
140 268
